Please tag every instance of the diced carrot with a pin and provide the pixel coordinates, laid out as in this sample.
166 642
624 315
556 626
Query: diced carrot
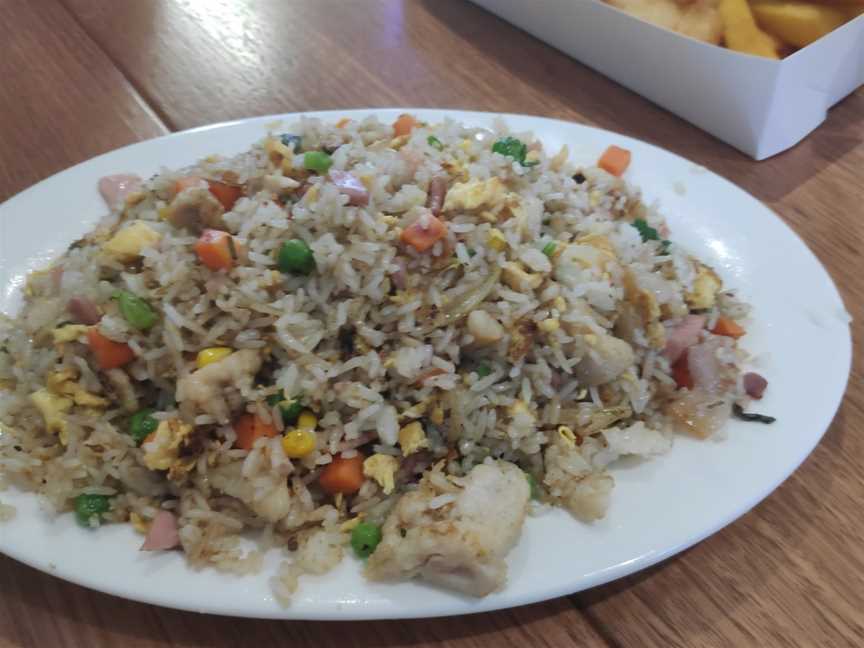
342 475
216 249
728 327
342 123
188 182
681 373
403 125
614 160
109 354
249 428
424 233
225 193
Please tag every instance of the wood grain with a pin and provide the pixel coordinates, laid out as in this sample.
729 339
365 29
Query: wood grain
790 573
61 99
39 611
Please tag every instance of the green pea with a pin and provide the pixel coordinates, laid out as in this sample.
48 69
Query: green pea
365 538
435 143
142 424
135 310
534 486
296 257
317 161
293 142
483 370
549 248
87 506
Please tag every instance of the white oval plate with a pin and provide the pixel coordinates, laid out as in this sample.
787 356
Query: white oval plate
800 330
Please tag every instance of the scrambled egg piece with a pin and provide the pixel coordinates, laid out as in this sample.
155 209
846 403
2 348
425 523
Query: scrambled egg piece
277 151
69 333
128 243
706 285
163 448
646 308
382 468
63 383
52 406
519 279
417 410
412 438
496 239
475 194
600 242
518 407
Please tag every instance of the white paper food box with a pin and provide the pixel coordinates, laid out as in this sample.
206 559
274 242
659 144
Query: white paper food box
757 105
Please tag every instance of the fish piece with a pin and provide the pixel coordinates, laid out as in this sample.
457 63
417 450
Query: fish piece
455 539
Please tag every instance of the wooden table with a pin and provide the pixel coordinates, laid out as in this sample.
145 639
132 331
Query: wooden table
81 77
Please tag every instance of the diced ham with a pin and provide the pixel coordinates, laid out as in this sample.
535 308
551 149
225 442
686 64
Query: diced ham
115 188
437 193
163 533
83 311
351 186
754 385
683 336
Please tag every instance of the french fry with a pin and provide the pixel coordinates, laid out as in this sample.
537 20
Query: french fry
741 32
797 23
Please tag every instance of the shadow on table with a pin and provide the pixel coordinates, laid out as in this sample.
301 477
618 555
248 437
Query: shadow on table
39 606
609 105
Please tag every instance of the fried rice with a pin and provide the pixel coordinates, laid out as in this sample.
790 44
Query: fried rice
370 338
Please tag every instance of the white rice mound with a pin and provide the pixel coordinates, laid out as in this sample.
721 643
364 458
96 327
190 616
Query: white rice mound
378 336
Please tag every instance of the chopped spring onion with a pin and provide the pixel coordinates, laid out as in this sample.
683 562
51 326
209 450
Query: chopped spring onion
293 142
88 506
514 148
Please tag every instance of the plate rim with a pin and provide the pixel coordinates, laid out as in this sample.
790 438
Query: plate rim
615 572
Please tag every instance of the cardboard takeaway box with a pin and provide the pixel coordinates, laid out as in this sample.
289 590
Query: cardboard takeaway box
757 105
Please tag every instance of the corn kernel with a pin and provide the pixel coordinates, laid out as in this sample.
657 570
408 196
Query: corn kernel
567 434
560 304
550 325
496 239
298 443
211 355
307 421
